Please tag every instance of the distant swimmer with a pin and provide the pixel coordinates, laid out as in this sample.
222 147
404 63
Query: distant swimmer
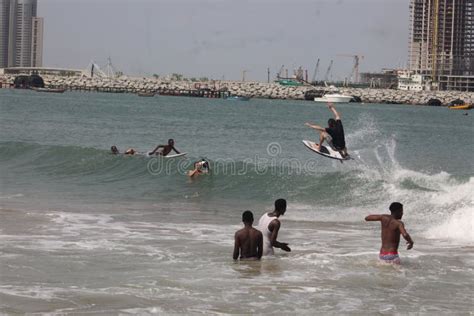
129 151
165 149
248 241
333 134
114 150
392 227
269 225
200 167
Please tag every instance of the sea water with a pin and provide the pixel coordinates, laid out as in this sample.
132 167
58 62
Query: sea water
85 231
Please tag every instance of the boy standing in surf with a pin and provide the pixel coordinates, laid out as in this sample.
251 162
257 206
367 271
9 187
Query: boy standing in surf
269 225
248 241
392 228
333 134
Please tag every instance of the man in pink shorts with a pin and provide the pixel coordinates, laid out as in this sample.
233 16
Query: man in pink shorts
392 228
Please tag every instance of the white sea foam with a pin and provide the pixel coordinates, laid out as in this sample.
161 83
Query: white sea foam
459 226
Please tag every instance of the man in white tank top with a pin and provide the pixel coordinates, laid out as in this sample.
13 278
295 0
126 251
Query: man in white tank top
269 225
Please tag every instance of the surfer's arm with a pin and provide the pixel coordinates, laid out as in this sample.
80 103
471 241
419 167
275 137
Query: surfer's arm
176 151
373 218
236 247
316 127
405 235
333 110
154 150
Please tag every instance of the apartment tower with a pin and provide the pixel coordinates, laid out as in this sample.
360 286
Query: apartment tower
21 34
441 42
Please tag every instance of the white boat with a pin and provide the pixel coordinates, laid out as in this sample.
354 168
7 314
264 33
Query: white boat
334 97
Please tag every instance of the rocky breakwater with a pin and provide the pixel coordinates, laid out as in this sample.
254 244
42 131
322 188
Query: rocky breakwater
249 89
408 97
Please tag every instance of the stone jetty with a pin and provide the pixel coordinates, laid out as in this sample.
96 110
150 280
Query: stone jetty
251 89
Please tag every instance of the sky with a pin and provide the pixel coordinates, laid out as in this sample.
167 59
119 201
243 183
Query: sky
220 39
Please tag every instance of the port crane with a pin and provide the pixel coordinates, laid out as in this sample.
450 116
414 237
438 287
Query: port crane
355 68
280 71
326 76
315 71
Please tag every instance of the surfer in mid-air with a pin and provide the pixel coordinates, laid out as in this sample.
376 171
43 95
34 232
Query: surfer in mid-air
165 149
333 134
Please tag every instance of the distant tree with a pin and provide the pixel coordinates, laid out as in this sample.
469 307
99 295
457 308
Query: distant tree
203 79
193 79
156 76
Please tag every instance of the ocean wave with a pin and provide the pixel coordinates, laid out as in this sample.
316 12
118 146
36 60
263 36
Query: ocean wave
434 202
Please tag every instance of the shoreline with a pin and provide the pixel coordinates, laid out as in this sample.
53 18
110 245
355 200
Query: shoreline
251 89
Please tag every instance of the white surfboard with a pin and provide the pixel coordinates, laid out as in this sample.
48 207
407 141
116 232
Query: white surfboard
325 151
168 156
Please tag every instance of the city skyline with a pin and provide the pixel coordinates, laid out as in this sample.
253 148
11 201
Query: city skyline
220 38
21 34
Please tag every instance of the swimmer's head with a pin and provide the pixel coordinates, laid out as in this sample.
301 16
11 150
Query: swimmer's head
171 142
247 217
280 206
114 149
396 209
331 122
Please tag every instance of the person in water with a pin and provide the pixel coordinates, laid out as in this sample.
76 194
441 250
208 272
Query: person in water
129 151
248 242
165 149
269 225
200 167
114 150
333 134
392 228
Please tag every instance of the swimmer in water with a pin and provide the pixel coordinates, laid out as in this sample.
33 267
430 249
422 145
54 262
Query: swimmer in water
200 167
129 151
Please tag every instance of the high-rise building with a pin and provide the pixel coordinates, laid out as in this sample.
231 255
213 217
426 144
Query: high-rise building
21 34
37 42
441 40
4 31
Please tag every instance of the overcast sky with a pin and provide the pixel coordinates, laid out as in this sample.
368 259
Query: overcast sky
220 38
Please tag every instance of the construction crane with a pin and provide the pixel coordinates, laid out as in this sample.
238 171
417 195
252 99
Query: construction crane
280 71
355 68
315 71
326 76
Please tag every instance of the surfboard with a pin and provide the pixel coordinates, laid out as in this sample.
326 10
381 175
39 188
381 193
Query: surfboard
176 155
325 151
168 156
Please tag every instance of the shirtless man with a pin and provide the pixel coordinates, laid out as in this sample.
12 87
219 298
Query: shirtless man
166 149
392 228
333 134
248 240
269 225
